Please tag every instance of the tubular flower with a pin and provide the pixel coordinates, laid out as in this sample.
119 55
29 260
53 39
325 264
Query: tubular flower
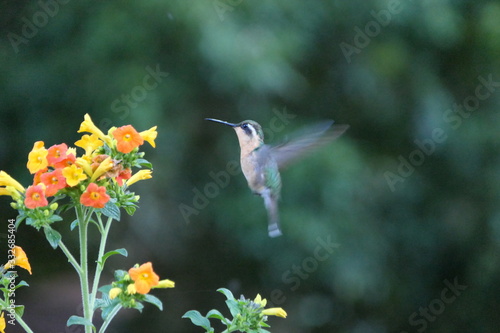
165 284
56 154
85 165
89 143
20 259
150 135
53 181
88 126
3 324
278 312
140 175
35 197
6 180
37 158
74 175
114 292
95 196
127 139
144 277
103 167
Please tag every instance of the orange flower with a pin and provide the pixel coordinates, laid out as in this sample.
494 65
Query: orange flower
56 154
54 181
127 139
144 277
20 259
68 161
35 197
123 175
95 196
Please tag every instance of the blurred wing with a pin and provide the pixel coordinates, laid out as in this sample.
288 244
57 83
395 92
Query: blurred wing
310 138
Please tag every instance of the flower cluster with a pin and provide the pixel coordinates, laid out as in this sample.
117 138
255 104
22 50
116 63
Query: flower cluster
248 315
99 176
131 288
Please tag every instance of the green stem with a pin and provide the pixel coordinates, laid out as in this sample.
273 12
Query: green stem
83 222
110 317
70 257
21 322
100 264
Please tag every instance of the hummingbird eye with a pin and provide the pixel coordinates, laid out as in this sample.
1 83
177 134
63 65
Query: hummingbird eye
246 128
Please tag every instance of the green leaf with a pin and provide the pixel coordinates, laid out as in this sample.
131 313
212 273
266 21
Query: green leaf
216 314
55 218
233 307
108 309
22 284
52 236
74 224
143 163
197 319
76 320
120 274
20 218
19 310
153 300
130 209
111 210
227 293
108 254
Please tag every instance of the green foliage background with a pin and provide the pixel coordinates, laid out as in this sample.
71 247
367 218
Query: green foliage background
236 60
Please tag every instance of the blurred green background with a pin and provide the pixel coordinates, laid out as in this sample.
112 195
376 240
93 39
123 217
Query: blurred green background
409 196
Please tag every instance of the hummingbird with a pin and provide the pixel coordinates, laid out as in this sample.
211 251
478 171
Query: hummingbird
261 163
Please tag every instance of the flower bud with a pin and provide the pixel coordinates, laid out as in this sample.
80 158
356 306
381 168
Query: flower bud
114 292
54 206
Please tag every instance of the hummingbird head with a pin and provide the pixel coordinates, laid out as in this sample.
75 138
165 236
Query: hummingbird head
249 132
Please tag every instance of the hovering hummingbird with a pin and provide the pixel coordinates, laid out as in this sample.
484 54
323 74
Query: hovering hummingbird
261 163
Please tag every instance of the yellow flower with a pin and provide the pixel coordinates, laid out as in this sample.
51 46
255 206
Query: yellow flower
6 180
140 175
37 158
150 136
114 292
131 289
3 324
103 167
165 284
83 163
279 312
89 143
20 259
73 174
9 190
259 300
88 126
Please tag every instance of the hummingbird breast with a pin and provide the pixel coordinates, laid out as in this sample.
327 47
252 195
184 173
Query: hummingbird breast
261 172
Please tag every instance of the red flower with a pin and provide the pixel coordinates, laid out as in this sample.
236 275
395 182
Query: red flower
54 181
56 154
35 197
123 175
95 196
68 161
127 139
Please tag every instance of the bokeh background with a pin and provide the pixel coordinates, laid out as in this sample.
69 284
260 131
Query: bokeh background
409 196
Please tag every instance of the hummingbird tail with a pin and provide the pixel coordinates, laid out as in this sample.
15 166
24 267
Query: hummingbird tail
273 217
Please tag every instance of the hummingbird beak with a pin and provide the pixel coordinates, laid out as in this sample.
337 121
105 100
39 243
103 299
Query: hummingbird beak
222 122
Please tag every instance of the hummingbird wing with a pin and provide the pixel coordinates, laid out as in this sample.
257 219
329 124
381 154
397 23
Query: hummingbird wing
311 137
